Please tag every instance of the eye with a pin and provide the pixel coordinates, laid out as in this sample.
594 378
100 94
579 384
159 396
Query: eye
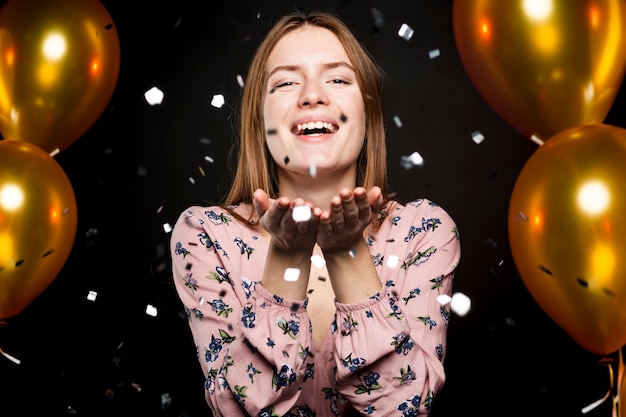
339 81
284 84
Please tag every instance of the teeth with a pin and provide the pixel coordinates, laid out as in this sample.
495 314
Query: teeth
329 127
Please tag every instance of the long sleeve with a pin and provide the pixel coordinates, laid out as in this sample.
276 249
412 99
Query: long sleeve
251 345
389 350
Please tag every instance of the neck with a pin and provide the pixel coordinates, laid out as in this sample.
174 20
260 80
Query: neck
319 189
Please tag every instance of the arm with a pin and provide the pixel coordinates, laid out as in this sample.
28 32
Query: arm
291 245
249 343
390 348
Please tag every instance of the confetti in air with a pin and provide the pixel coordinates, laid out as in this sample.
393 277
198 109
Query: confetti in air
405 32
444 299
397 121
536 139
379 20
312 169
154 96
434 53
343 118
301 213
166 401
151 310
392 261
240 80
460 303
286 160
9 357
291 274
477 137
318 261
167 227
408 162
92 295
217 101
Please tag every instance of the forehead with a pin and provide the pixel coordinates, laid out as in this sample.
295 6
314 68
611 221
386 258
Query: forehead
307 43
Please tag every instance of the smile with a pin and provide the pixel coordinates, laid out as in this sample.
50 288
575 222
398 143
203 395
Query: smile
315 128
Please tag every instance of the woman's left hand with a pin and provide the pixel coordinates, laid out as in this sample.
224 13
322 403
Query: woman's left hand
350 213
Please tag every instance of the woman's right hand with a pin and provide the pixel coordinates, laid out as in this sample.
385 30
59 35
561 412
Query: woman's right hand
276 217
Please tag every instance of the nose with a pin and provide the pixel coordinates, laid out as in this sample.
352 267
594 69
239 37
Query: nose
313 95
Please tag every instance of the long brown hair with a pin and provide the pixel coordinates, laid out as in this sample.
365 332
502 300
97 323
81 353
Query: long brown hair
255 167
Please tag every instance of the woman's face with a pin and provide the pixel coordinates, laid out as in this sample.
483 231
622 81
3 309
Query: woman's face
313 110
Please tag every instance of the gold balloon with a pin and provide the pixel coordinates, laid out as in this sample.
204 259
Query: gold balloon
38 223
567 232
59 64
543 66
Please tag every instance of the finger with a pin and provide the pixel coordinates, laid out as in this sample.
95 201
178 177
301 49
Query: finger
261 202
350 207
363 204
336 214
325 225
276 213
375 198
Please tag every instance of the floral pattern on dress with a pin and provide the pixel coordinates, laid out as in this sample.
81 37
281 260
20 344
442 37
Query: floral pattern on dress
256 349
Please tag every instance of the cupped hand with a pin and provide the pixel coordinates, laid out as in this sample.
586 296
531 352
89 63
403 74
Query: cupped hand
350 213
276 217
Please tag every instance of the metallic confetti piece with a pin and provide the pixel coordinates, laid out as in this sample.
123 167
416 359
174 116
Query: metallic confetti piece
318 261
408 162
477 137
9 357
154 96
217 101
392 261
460 303
151 310
405 32
291 274
379 20
536 139
301 213
444 299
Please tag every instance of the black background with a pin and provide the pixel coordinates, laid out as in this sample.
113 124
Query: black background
131 176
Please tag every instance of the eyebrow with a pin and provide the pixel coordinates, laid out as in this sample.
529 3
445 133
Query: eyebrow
326 66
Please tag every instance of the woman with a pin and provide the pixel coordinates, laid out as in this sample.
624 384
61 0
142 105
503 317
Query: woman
294 302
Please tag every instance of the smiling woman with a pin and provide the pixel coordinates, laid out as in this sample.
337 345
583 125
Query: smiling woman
279 334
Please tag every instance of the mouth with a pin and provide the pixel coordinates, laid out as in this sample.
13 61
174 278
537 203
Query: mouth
314 128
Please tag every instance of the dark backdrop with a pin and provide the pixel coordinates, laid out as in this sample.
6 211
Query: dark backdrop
131 176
